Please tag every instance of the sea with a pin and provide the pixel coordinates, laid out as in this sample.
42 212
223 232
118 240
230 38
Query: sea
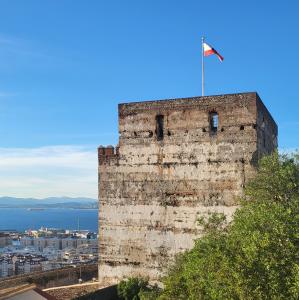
22 219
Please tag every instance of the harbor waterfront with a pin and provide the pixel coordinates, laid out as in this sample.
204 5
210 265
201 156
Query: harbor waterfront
21 219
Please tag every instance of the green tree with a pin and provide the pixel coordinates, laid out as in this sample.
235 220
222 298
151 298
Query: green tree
130 289
256 256
150 293
135 288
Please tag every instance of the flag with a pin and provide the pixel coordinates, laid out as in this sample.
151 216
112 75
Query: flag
208 50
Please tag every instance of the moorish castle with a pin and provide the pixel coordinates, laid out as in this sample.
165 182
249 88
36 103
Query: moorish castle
176 160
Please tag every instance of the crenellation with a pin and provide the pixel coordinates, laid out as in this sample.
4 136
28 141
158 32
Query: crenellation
107 154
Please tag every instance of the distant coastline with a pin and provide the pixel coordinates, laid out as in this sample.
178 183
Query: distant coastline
55 202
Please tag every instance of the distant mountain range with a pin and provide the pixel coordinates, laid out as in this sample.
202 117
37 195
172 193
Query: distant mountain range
51 202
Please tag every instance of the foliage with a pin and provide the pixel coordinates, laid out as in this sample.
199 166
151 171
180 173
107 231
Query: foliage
151 293
129 289
277 179
213 222
256 256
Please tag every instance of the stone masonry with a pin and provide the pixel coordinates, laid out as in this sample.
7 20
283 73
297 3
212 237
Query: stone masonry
176 160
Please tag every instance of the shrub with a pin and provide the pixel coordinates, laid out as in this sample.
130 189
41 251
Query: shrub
129 289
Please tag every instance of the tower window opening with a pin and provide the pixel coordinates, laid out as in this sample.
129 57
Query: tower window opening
214 122
159 127
264 141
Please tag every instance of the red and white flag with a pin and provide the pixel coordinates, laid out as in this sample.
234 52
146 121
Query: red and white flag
208 50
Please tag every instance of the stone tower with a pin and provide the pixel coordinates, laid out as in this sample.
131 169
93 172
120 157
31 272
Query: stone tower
176 160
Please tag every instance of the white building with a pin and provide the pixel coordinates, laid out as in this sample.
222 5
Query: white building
33 265
40 243
19 267
6 267
26 241
5 240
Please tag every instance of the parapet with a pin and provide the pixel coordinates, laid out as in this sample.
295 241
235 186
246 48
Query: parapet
107 154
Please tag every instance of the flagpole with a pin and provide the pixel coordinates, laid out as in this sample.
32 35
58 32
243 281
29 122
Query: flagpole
202 68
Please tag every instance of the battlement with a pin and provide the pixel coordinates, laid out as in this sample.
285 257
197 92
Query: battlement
107 154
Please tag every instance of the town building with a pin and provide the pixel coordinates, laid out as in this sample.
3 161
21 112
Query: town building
5 239
48 249
6 267
58 243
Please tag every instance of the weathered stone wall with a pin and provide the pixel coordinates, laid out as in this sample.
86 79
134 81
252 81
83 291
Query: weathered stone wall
152 189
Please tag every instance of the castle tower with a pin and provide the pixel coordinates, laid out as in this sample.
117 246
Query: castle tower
176 160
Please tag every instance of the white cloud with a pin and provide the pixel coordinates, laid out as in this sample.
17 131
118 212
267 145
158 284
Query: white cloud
48 171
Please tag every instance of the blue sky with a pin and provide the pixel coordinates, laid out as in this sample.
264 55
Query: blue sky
65 65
